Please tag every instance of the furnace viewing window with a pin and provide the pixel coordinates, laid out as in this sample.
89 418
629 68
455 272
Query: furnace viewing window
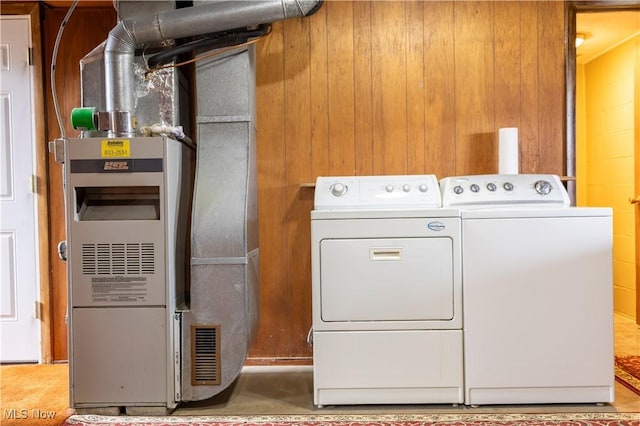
117 203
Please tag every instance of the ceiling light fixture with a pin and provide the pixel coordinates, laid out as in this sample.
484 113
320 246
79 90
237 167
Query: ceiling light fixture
580 37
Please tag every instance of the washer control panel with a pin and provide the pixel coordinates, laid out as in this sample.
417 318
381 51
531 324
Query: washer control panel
483 190
367 192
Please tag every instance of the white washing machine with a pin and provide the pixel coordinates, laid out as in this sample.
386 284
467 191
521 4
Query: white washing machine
387 293
538 291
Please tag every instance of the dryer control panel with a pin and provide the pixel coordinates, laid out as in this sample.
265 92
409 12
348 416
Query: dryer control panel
490 190
379 192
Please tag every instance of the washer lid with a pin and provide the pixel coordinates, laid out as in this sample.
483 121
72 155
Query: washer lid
532 211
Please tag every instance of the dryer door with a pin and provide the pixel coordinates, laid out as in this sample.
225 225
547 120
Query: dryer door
387 279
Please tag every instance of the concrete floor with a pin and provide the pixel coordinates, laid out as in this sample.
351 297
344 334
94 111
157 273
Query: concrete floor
289 391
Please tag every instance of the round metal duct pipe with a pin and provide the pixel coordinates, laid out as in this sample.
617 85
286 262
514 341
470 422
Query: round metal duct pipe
133 33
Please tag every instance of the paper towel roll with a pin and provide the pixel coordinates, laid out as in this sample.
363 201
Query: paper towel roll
508 158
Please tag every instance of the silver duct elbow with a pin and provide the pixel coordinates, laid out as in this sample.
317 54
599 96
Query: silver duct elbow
118 74
134 33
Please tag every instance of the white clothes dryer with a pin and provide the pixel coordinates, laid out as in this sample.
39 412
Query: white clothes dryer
538 291
387 292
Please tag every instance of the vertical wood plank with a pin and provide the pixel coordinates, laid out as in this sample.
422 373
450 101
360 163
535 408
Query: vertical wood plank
341 92
299 203
507 69
363 87
552 93
415 88
318 64
474 87
439 71
272 194
389 81
529 88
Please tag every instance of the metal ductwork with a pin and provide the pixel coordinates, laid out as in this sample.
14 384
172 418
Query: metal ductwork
133 33
191 315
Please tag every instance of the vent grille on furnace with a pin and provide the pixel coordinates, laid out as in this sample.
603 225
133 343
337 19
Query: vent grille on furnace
118 259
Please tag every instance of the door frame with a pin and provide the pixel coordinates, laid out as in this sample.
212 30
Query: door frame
33 10
637 185
571 9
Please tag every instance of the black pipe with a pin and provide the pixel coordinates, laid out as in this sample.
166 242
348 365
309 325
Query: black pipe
206 43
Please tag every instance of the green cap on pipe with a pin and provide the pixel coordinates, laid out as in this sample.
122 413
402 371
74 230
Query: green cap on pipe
83 118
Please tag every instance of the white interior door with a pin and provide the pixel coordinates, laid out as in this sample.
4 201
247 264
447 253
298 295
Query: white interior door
19 327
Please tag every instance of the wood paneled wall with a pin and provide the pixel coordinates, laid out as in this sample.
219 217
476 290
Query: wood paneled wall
87 28
391 87
359 88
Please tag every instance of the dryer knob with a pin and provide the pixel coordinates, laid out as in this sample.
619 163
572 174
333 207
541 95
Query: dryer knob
475 188
491 187
542 187
458 189
423 187
389 188
508 186
339 189
406 187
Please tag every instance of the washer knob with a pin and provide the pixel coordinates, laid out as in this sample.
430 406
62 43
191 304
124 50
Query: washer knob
406 187
458 189
508 186
389 188
339 189
543 187
491 187
475 188
423 187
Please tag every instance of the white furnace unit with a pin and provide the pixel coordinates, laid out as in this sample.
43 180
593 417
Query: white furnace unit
538 293
387 292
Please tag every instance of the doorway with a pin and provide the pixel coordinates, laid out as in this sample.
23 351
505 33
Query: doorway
36 311
606 135
19 313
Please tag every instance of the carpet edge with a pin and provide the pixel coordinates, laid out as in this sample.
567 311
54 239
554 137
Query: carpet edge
383 418
626 378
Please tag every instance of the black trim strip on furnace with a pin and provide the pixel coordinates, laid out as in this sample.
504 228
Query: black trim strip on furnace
119 165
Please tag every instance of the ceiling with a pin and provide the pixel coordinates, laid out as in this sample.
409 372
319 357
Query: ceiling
604 31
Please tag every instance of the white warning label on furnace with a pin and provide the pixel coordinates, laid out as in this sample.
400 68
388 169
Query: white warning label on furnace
119 289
